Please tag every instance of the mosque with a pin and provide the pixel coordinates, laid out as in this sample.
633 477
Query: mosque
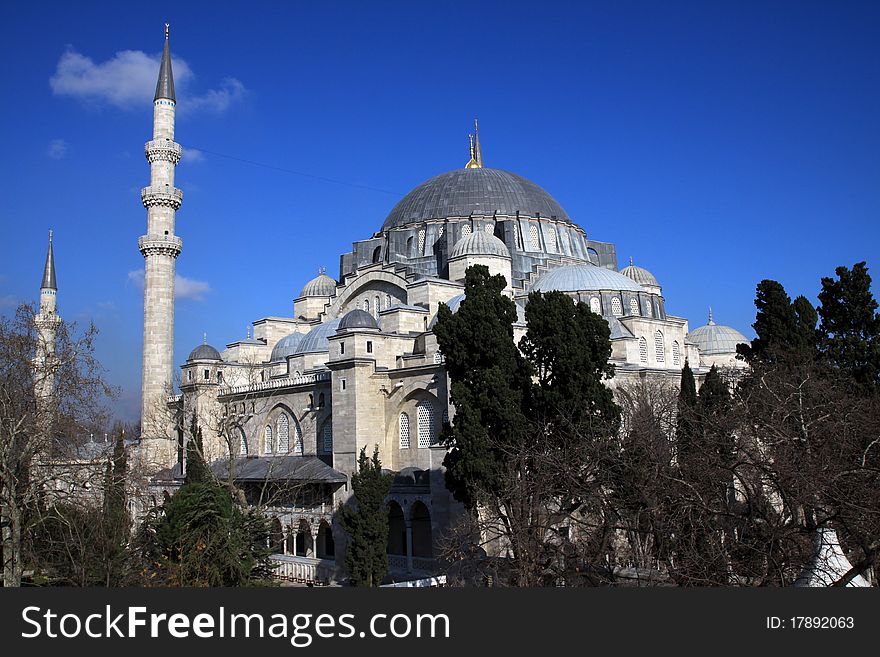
289 408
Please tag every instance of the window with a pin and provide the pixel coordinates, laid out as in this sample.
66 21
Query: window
283 434
369 346
219 377
410 245
643 350
516 239
367 305
377 254
376 304
267 440
595 306
327 439
438 358
242 444
659 348
616 308
465 230
341 347
421 241
387 301
440 231
648 309
207 375
425 411
189 375
534 238
321 400
489 228
404 431
298 440
676 354
633 306
342 384
551 239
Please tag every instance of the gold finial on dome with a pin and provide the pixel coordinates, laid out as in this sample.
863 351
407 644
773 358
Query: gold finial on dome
476 161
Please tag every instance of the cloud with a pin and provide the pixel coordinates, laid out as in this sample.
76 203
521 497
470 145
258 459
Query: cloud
184 288
128 79
192 155
57 149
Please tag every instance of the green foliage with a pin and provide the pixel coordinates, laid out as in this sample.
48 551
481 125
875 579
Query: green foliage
197 470
784 329
365 521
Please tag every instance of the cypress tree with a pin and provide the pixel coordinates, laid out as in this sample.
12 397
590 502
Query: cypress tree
365 521
197 470
686 429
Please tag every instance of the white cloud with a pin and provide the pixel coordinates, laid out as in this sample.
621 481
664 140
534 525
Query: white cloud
128 79
184 288
192 155
57 149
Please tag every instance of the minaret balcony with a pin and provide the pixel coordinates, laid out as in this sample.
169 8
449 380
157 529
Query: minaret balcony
169 245
162 150
162 196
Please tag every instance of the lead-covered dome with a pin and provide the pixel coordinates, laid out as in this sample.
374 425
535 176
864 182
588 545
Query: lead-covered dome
716 339
357 319
286 346
320 286
479 243
316 340
204 352
577 278
466 192
639 274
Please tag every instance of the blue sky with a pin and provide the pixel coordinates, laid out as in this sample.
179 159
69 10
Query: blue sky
716 143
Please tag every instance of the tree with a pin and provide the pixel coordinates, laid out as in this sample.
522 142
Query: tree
197 470
365 521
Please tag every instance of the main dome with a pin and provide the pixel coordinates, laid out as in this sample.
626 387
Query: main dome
466 192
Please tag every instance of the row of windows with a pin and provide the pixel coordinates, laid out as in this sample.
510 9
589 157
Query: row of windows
426 430
277 440
206 375
617 307
377 304
659 350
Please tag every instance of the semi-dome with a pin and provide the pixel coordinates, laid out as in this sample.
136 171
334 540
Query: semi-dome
576 278
286 346
479 243
716 339
316 340
204 352
320 286
479 191
639 274
357 319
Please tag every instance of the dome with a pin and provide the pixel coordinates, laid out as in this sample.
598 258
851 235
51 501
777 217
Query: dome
204 352
574 278
455 303
315 341
286 346
465 192
358 319
320 286
639 274
716 339
479 243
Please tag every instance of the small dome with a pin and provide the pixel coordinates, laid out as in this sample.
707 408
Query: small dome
357 319
575 278
320 286
286 346
204 352
716 339
479 243
455 302
316 340
639 274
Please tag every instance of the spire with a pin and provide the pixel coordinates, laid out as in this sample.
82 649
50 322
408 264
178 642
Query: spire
630 261
711 323
478 152
49 269
205 337
165 85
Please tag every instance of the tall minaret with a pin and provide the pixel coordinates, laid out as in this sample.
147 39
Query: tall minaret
46 322
160 248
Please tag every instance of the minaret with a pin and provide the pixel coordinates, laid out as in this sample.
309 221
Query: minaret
46 322
160 248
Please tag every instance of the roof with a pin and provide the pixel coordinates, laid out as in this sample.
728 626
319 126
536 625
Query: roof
286 346
639 274
204 352
466 192
165 84
320 286
574 278
716 339
357 319
316 340
279 468
479 243
49 269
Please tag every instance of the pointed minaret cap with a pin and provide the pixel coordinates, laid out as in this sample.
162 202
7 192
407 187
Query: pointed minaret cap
165 85
49 269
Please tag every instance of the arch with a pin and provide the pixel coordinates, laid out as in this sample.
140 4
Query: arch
551 239
396 530
676 353
387 301
297 439
276 536
376 306
377 254
366 305
421 235
283 430
302 544
643 350
268 443
421 531
410 247
616 307
659 347
649 309
403 430
326 547
595 306
534 237
592 255
425 421
633 306
242 442
321 400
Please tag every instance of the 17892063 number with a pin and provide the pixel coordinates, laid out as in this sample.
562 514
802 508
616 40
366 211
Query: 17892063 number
821 622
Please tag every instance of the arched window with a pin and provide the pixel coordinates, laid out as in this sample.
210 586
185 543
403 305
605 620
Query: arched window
242 444
438 358
327 439
643 350
410 245
616 308
283 434
440 231
534 238
404 431
367 305
267 440
551 239
376 303
297 440
377 253
594 305
648 309
676 354
633 306
592 255
659 347
425 411
489 228
387 301
421 241
465 230
516 239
